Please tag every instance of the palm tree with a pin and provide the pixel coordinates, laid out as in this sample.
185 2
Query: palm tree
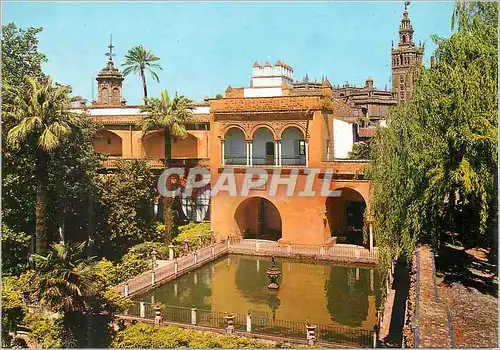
139 60
68 284
40 119
66 278
171 115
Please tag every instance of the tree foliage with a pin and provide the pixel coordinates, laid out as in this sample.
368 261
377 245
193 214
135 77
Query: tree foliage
20 56
435 166
125 209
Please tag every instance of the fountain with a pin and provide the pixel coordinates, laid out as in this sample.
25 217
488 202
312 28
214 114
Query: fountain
273 273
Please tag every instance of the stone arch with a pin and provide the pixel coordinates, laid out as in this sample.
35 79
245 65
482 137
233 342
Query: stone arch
266 126
154 144
228 127
293 125
345 216
293 149
258 217
235 147
108 142
185 147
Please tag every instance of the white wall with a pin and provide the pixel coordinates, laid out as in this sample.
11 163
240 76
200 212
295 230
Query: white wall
262 92
343 138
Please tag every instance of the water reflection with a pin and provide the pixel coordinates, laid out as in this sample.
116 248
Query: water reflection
317 292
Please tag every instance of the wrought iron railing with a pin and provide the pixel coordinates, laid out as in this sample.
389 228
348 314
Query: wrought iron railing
287 329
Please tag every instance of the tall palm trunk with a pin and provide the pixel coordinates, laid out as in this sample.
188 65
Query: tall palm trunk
41 198
168 203
144 87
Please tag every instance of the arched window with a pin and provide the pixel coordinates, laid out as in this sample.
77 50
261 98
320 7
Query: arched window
116 95
105 95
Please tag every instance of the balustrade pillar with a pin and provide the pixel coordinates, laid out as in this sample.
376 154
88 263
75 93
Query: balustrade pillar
257 246
126 290
249 322
289 249
195 258
193 316
276 161
142 309
176 266
213 250
171 252
153 278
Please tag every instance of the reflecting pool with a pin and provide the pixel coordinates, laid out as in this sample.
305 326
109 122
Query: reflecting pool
317 292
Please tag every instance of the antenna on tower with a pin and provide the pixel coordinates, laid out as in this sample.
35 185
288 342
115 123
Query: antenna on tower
110 46
92 89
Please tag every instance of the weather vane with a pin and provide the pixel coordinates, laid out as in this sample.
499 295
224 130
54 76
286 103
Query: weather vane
406 4
110 53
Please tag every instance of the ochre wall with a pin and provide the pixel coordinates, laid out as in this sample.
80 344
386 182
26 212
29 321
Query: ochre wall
108 142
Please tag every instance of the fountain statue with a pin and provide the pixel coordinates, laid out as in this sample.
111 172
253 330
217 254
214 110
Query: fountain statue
273 273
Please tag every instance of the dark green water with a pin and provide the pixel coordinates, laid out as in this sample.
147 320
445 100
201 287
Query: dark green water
309 291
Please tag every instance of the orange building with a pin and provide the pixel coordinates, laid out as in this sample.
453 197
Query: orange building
277 125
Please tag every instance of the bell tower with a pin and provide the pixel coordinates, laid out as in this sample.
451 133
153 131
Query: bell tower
109 83
406 60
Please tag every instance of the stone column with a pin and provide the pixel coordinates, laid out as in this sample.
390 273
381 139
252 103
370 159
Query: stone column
213 250
126 289
223 160
307 152
251 153
249 322
193 316
279 153
195 257
171 252
248 152
276 162
176 266
153 278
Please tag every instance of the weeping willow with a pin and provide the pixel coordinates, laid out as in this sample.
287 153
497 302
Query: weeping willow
434 168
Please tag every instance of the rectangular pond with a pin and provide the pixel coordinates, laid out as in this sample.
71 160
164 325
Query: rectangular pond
310 291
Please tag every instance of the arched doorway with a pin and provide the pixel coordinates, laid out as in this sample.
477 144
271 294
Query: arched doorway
258 217
345 215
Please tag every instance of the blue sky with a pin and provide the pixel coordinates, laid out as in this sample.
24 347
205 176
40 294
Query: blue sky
206 46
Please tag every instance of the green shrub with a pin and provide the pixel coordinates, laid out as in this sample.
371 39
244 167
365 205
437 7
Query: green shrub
190 232
144 250
130 266
106 270
46 333
143 335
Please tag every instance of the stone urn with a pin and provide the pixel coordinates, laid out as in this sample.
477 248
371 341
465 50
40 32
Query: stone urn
230 323
273 273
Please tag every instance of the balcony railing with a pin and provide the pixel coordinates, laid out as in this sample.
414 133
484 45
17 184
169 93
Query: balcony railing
299 160
159 163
